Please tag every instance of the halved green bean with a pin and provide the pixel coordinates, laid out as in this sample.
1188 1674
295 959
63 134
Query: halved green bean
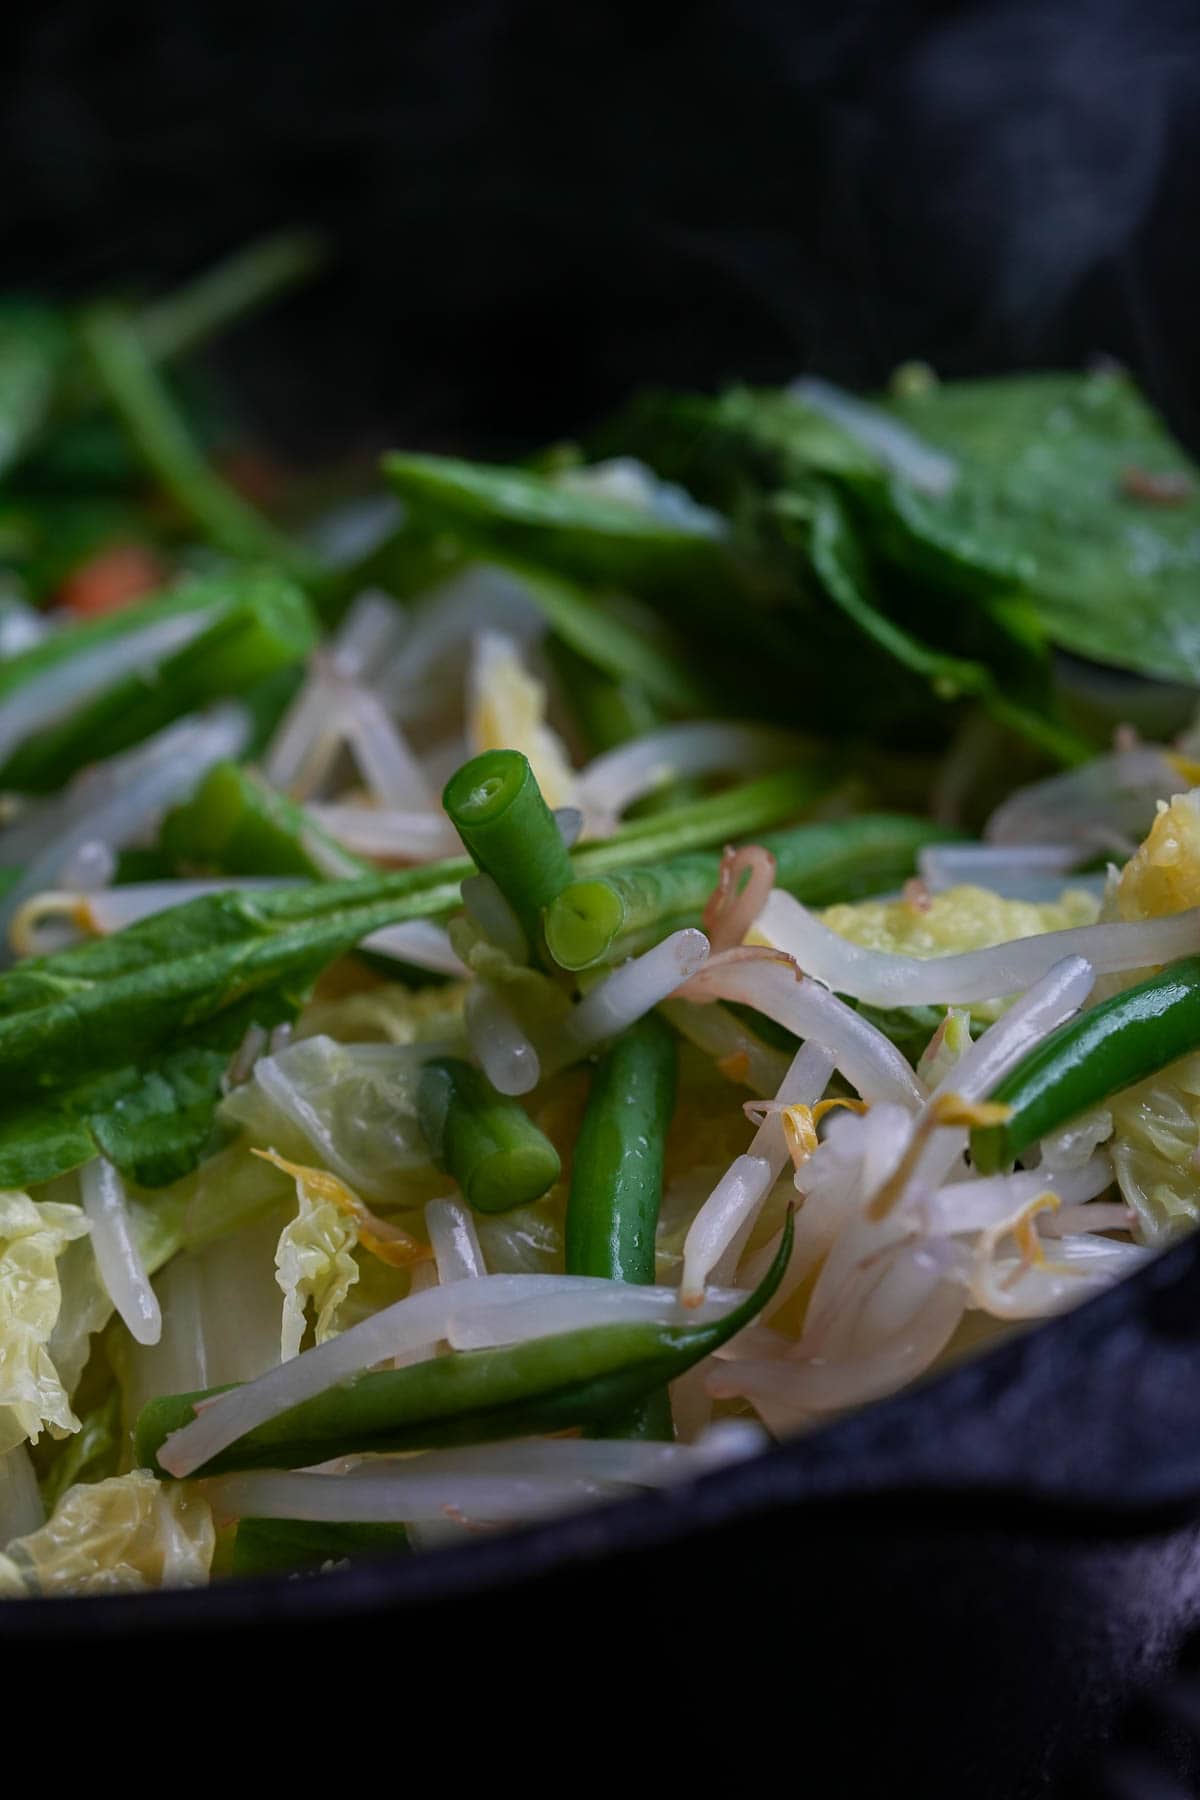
485 1140
606 920
617 1178
237 824
496 806
280 1546
1111 1046
471 1396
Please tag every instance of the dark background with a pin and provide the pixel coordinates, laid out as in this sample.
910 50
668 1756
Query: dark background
539 206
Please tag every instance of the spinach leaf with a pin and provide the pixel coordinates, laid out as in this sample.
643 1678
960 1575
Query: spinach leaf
1044 498
588 536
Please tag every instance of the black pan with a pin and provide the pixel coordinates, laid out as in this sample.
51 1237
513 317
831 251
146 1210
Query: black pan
985 1569
535 208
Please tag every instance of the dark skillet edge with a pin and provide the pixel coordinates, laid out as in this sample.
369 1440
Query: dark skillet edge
1088 1425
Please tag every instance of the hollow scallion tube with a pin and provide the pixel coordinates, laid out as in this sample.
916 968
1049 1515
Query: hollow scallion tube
497 808
616 1183
604 920
485 1140
237 824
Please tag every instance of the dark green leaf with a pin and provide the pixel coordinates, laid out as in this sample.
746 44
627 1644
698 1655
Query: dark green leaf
1042 500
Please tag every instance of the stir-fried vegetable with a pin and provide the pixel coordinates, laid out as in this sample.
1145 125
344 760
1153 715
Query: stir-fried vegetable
616 1180
487 1142
1115 1044
778 1038
497 808
608 919
576 1378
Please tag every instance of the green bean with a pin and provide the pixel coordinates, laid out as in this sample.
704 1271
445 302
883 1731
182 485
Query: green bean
268 627
279 1546
609 710
1111 1046
160 436
607 920
237 824
616 1181
485 1140
735 816
496 805
220 296
471 1396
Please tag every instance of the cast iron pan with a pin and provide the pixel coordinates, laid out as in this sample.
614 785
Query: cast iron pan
535 208
983 1570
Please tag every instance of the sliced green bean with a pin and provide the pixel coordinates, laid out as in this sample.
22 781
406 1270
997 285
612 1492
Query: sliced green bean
606 920
237 824
617 1179
1111 1046
471 1396
496 806
734 816
280 1546
485 1140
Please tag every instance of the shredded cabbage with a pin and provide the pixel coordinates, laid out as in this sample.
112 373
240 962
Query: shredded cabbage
507 711
313 1261
1156 1125
354 1104
388 1013
959 919
1163 874
123 1535
32 1394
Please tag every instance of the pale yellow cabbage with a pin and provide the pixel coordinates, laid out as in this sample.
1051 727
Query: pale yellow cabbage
126 1534
387 1014
1156 1125
1163 874
32 1394
507 711
314 1260
961 918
